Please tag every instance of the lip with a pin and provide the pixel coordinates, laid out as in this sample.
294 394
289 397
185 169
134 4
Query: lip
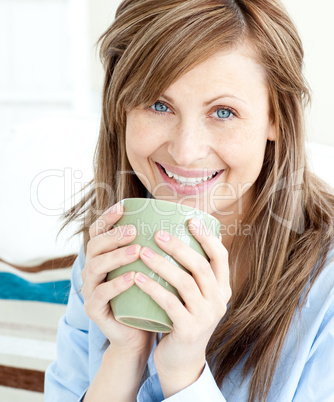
188 173
188 190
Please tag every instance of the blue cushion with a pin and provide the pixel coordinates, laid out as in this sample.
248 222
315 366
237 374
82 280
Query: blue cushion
13 287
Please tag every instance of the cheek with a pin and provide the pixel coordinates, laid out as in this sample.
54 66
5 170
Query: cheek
243 151
131 137
141 139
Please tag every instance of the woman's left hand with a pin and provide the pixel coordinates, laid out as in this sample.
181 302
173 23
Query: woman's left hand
180 356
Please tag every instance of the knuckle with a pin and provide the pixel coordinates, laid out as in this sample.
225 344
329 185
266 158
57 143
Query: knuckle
123 237
101 226
99 293
114 235
98 227
221 304
91 230
84 294
118 233
87 308
187 282
220 255
124 258
116 258
93 266
210 319
90 246
171 302
110 232
83 274
83 277
224 253
203 267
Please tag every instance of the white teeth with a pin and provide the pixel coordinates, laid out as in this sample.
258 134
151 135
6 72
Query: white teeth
188 181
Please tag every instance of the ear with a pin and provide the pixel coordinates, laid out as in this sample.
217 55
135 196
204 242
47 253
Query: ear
272 131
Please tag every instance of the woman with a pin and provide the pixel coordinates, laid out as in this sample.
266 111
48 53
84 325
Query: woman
207 92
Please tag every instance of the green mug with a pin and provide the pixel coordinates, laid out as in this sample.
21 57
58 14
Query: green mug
134 307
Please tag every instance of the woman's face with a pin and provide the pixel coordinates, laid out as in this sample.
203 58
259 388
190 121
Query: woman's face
202 142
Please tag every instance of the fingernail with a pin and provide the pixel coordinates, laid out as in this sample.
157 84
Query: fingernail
163 236
141 278
130 230
131 250
116 208
129 276
113 208
148 252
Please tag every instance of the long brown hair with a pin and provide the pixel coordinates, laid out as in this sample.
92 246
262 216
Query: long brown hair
151 44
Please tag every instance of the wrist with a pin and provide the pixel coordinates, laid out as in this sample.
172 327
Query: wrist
126 356
118 377
132 348
173 380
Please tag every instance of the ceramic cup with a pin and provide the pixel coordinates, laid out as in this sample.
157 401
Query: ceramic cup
134 307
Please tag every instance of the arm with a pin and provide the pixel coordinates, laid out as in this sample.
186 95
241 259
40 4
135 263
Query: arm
118 377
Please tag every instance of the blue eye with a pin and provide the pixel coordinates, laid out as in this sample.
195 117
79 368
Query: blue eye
160 107
223 113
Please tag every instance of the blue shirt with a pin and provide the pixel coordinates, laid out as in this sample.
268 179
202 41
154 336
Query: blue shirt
305 371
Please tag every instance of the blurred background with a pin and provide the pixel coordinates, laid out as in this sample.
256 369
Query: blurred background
50 95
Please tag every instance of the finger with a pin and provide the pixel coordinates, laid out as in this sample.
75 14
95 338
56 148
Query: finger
107 220
175 276
166 299
100 266
98 303
213 248
111 240
190 259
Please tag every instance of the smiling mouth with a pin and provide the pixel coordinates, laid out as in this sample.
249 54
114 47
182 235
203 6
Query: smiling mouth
189 181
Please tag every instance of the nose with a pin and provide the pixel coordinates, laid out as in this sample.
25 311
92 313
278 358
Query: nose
188 144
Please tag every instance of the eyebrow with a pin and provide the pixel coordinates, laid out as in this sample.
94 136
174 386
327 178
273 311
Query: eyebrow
210 101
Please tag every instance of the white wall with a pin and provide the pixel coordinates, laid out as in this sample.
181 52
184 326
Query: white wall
101 14
315 23
52 63
47 129
44 48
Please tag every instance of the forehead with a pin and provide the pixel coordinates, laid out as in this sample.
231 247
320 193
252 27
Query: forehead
237 71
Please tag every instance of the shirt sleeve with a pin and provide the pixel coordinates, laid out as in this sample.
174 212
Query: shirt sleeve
67 378
316 381
204 389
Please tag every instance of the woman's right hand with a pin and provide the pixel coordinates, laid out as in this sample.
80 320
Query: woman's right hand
107 250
